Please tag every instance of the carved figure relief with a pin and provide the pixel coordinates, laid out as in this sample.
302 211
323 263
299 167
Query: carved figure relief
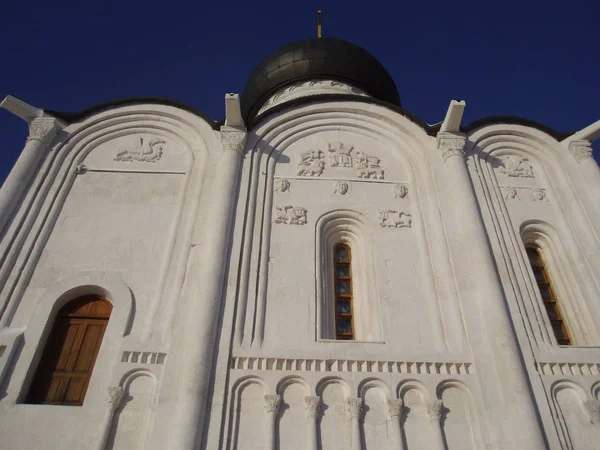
290 215
339 155
538 194
341 188
282 186
389 218
510 193
514 166
368 166
149 151
311 164
400 191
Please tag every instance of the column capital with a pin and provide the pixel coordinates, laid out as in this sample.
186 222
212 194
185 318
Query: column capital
272 403
312 405
115 395
233 138
450 144
593 407
43 129
435 410
395 406
581 150
355 407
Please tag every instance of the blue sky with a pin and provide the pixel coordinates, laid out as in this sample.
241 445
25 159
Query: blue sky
539 60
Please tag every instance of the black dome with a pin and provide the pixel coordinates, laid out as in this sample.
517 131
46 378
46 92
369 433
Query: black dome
313 59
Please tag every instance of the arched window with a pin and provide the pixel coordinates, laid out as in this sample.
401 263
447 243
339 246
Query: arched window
344 323
548 296
66 365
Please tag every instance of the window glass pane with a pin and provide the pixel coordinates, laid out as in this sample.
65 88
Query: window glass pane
342 287
539 275
341 253
534 258
342 270
342 307
545 291
559 331
552 311
344 325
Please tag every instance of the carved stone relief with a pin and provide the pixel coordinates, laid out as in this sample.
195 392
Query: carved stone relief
115 394
291 215
389 218
515 166
510 193
400 191
144 150
282 186
272 403
341 188
538 194
581 150
518 193
312 163
435 410
312 405
395 407
355 407
593 408
43 129
451 144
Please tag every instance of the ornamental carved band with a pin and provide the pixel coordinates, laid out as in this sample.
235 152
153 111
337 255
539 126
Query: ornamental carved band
581 150
115 394
272 403
233 140
435 410
43 129
312 406
451 144
355 407
395 406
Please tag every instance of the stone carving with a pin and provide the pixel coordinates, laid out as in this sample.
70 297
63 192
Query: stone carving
451 144
395 406
339 155
43 129
435 410
272 403
581 150
312 406
233 139
355 407
510 193
389 218
515 166
341 187
291 215
400 191
282 186
368 166
538 194
115 394
593 408
311 164
149 151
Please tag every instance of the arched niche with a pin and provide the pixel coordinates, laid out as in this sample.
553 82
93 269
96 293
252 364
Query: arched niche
247 414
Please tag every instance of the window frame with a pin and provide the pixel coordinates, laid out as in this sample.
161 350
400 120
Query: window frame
343 297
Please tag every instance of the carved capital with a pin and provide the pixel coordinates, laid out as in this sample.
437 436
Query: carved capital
233 139
593 407
43 129
115 394
581 150
312 406
272 403
450 144
355 407
435 410
395 406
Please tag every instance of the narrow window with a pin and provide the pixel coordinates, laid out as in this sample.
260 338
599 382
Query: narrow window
548 296
65 368
344 323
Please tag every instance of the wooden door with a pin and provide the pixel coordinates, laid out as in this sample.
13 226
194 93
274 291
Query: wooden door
66 365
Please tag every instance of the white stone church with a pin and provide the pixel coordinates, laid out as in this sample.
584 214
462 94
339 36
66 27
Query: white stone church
320 270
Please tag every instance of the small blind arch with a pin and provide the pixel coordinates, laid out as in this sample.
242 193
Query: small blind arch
67 362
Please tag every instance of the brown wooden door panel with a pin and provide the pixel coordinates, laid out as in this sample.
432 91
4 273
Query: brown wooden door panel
66 366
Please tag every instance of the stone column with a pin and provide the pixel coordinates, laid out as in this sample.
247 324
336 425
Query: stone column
195 330
492 338
313 409
435 410
581 151
272 404
593 410
42 131
115 395
355 408
395 407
